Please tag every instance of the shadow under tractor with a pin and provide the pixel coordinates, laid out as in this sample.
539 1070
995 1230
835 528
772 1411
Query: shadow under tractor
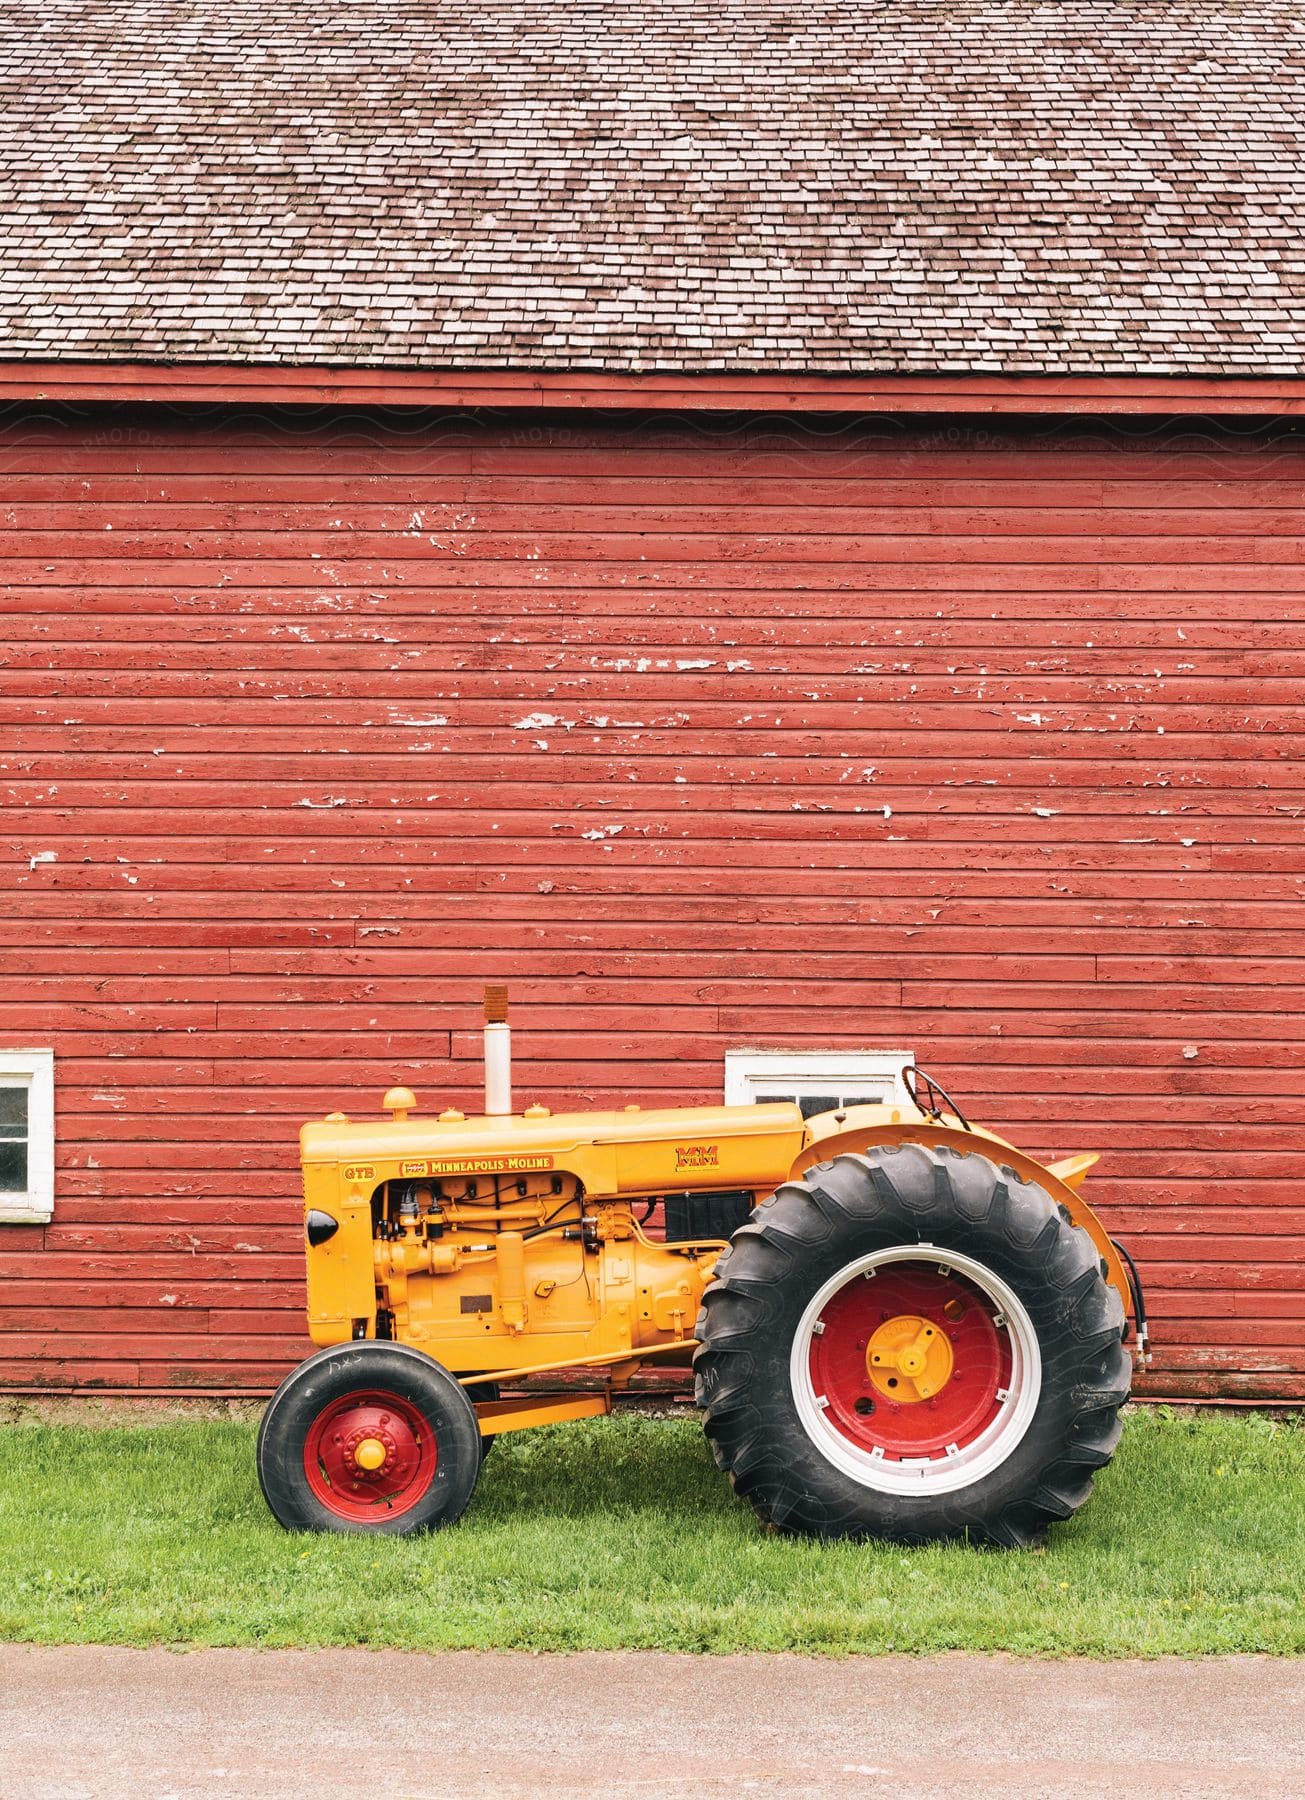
899 1325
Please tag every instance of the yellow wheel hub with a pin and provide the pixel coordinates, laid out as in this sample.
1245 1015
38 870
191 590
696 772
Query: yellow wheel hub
909 1358
370 1454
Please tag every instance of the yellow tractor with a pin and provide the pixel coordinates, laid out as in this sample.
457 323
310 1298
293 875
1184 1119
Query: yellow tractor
899 1325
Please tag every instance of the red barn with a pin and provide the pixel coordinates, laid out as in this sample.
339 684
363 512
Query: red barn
767 531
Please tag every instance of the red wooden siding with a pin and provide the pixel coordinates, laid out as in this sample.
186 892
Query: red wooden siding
980 739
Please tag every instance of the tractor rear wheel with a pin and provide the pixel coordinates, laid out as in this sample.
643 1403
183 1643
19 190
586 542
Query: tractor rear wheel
912 1344
369 1437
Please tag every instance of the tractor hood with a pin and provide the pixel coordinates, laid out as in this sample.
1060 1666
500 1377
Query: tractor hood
626 1152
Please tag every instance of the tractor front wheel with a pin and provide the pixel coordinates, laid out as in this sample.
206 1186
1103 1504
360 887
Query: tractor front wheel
912 1344
368 1437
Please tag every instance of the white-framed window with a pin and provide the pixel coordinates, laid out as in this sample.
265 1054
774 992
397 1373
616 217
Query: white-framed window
819 1080
26 1136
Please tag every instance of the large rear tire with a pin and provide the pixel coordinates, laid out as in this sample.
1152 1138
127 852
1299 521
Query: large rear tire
912 1344
369 1437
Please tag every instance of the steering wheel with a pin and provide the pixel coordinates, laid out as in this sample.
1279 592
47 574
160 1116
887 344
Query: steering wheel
913 1079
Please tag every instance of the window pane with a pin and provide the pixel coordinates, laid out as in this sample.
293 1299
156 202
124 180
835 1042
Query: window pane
13 1168
13 1107
812 1104
809 1103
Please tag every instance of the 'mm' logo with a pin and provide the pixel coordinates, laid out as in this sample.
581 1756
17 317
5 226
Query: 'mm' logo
696 1156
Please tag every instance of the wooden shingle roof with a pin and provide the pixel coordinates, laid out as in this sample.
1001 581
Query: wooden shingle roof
1091 187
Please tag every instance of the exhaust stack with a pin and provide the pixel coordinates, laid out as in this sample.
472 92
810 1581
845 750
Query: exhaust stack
498 1053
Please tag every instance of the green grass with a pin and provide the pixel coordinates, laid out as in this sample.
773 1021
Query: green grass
619 1533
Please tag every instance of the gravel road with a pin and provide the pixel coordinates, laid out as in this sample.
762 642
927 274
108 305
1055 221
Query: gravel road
97 1723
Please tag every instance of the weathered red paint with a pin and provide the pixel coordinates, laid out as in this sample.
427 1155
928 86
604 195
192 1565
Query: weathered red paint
980 738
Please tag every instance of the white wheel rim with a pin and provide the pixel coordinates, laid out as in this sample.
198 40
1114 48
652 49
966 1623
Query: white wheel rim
960 1465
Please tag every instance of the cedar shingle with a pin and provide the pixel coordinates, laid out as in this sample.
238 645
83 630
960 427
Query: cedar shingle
1098 186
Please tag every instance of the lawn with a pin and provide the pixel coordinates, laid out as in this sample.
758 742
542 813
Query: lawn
619 1533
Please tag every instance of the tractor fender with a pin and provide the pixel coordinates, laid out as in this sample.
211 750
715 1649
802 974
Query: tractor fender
1060 1180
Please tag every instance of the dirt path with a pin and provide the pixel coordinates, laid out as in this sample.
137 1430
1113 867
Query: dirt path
94 1724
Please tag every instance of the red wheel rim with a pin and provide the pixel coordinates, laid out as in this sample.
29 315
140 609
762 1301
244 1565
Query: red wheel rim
860 1401
369 1453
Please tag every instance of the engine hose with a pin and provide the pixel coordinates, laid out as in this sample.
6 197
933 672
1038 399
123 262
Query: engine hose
1139 1299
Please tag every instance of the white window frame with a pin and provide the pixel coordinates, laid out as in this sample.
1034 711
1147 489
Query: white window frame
33 1070
751 1073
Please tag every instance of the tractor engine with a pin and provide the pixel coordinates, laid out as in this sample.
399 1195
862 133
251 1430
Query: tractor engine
477 1261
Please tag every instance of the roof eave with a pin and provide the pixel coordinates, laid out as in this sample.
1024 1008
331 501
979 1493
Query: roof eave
708 390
